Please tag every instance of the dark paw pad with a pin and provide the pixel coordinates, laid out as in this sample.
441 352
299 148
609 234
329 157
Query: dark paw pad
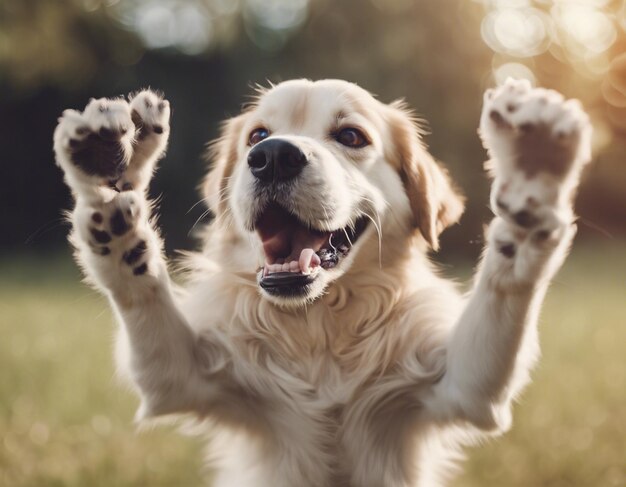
140 270
100 236
119 225
104 251
97 217
507 249
100 154
135 253
525 219
499 120
496 117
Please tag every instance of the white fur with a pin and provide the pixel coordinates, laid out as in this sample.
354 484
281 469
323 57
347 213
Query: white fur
385 372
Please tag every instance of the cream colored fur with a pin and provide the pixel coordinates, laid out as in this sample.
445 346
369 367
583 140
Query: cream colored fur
385 371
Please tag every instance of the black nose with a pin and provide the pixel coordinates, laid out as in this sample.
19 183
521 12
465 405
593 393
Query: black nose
276 160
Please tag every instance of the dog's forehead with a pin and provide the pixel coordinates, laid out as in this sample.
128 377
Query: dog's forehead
299 102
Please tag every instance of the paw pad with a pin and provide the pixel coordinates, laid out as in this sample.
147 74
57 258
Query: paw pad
100 236
119 225
507 249
525 219
135 253
150 114
104 251
97 217
140 270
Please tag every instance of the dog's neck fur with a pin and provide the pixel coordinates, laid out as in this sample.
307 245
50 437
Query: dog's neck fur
348 324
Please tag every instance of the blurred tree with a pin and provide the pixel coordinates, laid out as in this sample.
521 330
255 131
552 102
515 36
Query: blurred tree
59 43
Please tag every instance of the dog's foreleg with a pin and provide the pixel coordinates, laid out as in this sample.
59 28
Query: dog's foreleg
538 143
114 143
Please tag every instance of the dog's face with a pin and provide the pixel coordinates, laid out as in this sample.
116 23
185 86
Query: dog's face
314 170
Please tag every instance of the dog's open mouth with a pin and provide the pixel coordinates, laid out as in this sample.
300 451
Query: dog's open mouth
295 252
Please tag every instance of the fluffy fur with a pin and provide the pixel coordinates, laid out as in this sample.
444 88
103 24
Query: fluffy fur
383 371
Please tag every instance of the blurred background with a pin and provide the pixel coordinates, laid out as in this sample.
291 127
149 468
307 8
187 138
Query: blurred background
64 421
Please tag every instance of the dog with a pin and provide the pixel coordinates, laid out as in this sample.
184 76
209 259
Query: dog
313 336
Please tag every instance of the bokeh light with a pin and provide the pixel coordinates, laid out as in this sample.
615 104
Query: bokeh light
186 26
583 30
513 70
575 46
278 14
520 32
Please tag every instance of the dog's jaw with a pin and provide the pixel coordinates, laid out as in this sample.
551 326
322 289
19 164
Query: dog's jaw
300 261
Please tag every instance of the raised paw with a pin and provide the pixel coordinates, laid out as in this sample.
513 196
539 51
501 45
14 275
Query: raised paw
112 142
519 259
534 130
531 204
150 114
538 143
95 146
117 232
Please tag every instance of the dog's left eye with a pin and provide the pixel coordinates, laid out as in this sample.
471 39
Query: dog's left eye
351 137
257 135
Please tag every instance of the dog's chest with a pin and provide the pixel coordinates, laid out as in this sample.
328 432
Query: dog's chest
320 388
325 418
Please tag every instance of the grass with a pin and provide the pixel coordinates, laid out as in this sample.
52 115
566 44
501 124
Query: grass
65 422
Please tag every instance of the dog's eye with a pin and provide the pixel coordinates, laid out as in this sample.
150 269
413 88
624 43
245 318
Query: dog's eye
257 135
351 137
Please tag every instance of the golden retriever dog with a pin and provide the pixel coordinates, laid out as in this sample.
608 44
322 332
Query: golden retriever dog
313 337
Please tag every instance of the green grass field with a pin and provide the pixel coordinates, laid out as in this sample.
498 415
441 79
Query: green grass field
64 421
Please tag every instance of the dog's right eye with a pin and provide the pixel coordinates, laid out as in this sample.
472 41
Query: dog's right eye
257 135
351 137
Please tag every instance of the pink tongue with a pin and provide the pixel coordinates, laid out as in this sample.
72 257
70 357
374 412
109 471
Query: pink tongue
308 258
284 237
288 243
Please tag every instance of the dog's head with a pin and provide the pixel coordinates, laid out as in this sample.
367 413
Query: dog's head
312 171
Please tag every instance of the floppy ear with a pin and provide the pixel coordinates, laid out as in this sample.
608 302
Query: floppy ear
435 202
222 153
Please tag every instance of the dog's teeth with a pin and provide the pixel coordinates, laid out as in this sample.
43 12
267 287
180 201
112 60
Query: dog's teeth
308 262
271 268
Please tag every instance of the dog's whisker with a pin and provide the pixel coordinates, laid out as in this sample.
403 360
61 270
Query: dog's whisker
200 201
204 214
330 242
379 233
348 238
